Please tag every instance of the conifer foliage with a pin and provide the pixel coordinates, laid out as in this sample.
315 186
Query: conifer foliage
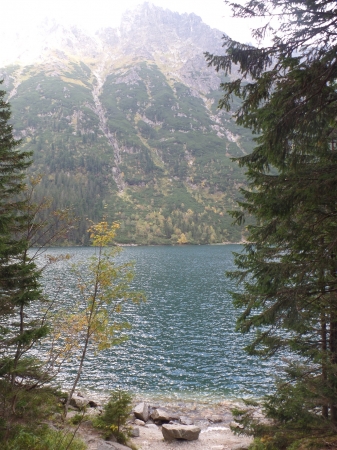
19 276
289 267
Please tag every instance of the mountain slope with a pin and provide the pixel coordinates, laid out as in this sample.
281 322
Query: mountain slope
126 122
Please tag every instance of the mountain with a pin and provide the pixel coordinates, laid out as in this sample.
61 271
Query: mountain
125 122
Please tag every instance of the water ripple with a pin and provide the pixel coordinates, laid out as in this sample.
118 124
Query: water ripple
182 341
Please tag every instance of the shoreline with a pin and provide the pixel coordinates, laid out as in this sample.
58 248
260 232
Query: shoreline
118 244
213 419
169 399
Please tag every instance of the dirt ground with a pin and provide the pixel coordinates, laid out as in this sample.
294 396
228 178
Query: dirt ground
211 438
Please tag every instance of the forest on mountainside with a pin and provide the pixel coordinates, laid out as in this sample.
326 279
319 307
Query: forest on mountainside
133 131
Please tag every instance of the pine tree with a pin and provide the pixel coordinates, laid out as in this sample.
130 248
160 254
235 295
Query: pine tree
19 276
289 266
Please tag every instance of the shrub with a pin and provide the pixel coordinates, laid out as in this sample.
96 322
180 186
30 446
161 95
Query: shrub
115 414
42 438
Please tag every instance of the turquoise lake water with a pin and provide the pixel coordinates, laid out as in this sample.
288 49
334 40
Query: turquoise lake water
183 342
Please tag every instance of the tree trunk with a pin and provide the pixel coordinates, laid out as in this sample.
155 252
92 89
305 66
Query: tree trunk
333 361
325 408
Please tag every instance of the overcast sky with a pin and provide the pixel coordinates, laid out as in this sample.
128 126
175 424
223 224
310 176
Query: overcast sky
95 14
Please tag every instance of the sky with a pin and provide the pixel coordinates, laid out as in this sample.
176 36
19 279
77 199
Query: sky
94 14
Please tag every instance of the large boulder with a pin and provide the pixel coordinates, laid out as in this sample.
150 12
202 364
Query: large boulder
141 411
79 401
179 431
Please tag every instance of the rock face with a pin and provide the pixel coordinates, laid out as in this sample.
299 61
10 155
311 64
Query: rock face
178 431
141 411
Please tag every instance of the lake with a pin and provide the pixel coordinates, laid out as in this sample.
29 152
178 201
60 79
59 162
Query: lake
183 342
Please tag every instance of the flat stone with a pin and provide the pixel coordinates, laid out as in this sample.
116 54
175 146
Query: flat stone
178 431
141 411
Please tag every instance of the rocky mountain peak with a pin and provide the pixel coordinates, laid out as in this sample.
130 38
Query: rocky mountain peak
163 21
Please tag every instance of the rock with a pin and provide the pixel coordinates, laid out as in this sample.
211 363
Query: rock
215 418
186 420
139 422
178 431
235 425
141 411
135 432
240 447
160 415
79 402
